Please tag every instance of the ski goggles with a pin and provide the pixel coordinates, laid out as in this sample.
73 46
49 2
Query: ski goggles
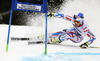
76 22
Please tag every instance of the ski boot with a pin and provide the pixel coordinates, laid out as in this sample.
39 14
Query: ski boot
41 37
55 40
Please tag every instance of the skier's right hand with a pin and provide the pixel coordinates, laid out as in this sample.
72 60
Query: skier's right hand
50 15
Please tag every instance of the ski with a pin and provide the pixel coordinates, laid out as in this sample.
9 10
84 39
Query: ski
37 42
93 47
17 38
43 42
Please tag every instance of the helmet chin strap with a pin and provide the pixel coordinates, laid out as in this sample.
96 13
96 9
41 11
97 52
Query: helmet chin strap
81 21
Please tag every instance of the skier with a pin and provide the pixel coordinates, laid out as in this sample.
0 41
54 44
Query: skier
76 33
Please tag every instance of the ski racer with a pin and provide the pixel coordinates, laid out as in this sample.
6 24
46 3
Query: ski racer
76 33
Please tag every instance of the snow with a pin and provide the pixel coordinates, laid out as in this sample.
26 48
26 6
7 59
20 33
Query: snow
21 51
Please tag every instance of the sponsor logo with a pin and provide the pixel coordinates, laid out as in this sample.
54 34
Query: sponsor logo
29 7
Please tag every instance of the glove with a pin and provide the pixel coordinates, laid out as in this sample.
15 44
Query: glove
65 30
85 45
50 15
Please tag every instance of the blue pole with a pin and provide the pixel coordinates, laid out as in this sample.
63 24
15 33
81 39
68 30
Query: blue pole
45 11
9 30
46 35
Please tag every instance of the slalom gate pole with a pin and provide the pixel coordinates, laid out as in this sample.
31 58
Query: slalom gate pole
46 35
9 30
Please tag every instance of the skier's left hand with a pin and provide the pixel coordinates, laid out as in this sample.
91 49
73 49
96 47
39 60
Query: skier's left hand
50 14
85 45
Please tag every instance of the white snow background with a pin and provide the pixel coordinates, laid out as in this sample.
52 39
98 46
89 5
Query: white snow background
21 51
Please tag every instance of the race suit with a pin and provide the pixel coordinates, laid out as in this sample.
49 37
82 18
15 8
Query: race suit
75 34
